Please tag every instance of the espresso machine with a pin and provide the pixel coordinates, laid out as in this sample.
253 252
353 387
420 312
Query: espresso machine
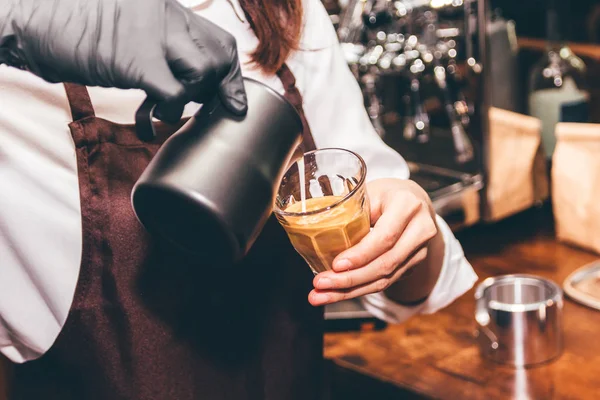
424 72
421 65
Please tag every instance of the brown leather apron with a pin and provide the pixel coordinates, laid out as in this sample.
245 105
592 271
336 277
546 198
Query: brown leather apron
146 323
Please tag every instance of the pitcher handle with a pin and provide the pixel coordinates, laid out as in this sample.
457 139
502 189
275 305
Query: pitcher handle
482 316
144 127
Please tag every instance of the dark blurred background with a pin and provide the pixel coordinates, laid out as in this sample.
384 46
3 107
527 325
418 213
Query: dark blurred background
530 18
583 32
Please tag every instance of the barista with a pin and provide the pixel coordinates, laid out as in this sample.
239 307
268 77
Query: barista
93 308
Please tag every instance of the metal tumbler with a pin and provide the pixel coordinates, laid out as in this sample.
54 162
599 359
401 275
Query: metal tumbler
519 319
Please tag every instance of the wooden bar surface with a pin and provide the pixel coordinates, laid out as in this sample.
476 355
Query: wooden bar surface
436 356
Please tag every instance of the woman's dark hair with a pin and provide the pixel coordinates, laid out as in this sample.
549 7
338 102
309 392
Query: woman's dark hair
278 25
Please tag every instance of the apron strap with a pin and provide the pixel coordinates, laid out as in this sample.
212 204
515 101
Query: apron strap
292 94
81 104
79 101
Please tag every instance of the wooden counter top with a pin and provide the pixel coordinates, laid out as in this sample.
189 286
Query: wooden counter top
435 356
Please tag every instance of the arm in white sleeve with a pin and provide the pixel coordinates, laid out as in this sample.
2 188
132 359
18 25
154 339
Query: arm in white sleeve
334 108
456 278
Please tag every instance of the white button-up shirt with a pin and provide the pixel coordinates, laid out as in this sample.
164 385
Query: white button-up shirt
40 219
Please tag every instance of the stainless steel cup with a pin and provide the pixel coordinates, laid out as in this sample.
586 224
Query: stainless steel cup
519 319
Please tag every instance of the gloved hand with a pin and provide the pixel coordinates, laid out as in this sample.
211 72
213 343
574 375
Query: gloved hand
158 46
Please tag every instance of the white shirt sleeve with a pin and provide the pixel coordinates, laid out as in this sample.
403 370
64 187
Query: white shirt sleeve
456 278
334 108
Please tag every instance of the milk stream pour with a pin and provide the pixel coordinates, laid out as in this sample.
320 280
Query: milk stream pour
302 181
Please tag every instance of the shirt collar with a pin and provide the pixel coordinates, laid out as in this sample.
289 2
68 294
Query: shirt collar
198 4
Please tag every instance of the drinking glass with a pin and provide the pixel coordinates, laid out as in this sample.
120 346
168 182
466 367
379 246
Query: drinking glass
323 205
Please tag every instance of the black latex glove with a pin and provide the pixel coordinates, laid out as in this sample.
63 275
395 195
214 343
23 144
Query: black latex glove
158 46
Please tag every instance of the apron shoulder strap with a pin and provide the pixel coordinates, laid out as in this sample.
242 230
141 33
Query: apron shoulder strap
292 94
79 101
81 104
